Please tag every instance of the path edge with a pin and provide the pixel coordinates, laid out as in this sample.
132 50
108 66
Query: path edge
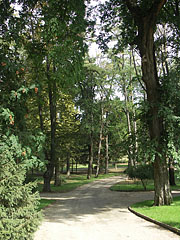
172 229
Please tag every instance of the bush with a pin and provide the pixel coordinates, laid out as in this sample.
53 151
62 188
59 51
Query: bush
142 172
19 215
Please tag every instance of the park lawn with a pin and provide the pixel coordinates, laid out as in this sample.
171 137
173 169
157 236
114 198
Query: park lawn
169 215
44 203
135 186
74 181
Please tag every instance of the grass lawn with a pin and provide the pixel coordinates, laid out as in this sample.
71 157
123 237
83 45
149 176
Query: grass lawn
134 186
166 214
74 181
44 203
169 215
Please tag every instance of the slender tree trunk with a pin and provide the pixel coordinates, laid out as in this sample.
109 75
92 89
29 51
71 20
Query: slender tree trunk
91 148
130 152
57 180
47 177
90 164
68 172
72 166
76 167
135 144
128 117
107 155
100 142
52 106
171 173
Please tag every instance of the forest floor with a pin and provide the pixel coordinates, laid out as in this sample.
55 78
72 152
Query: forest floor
92 211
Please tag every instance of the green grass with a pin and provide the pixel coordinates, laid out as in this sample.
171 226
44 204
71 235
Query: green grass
74 181
137 186
166 214
44 203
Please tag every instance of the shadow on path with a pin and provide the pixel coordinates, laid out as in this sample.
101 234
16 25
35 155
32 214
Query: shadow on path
90 199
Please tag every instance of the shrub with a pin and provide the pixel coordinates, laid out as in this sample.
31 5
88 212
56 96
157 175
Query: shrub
142 172
19 215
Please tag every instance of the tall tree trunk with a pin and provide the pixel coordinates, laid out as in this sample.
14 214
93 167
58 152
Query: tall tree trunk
57 180
107 155
47 177
127 112
146 23
100 142
90 163
68 172
171 173
52 106
130 152
156 128
135 148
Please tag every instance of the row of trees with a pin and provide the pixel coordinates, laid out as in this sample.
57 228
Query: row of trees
58 104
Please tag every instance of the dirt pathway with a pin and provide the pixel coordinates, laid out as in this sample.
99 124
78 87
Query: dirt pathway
93 212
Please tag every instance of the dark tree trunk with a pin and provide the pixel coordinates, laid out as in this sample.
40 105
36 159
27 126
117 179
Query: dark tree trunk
47 177
72 166
40 112
146 24
52 106
76 167
171 173
156 128
57 180
68 169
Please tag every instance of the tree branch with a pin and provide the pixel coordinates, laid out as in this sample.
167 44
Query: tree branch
133 8
138 13
156 8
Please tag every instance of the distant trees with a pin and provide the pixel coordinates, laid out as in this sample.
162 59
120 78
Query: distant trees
54 48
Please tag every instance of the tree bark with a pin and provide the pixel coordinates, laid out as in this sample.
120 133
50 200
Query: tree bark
146 24
100 142
57 180
90 157
107 156
47 177
156 128
52 106
68 172
171 173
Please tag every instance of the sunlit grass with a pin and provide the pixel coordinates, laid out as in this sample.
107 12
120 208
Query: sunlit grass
74 181
169 215
135 186
44 203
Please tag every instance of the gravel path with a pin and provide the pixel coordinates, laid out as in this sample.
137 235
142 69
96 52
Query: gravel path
93 212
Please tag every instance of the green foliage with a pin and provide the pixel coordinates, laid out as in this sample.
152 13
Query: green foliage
19 216
143 172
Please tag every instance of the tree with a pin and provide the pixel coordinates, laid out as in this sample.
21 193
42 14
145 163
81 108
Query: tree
140 22
18 205
55 50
